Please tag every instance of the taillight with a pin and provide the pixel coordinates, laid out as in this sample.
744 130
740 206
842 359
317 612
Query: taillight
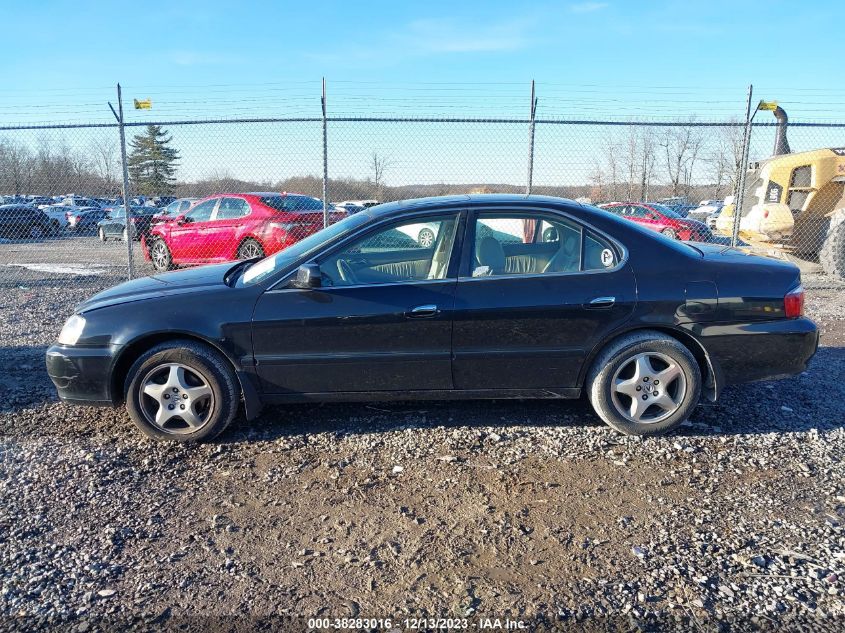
793 303
765 213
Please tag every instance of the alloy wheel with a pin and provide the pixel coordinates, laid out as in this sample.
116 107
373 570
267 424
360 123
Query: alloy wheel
159 255
176 398
426 238
250 249
648 388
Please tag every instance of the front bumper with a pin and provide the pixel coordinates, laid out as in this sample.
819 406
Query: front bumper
82 375
764 350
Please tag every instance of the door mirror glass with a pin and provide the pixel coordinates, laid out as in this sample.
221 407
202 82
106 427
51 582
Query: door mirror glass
308 276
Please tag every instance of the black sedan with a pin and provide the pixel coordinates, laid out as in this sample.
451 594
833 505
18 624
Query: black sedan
84 219
23 221
113 225
517 297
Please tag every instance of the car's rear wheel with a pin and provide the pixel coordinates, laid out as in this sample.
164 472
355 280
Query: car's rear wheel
645 383
160 256
182 391
101 234
36 232
426 238
249 249
670 233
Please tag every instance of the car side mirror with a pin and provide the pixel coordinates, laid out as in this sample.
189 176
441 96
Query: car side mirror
184 220
308 276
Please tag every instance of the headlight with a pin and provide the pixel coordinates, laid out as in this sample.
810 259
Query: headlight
72 330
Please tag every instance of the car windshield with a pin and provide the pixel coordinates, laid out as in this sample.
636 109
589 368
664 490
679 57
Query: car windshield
666 211
270 265
292 203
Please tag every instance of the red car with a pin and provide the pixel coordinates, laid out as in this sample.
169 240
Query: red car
230 226
662 219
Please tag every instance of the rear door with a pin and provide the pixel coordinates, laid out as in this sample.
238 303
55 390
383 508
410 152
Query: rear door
527 314
381 322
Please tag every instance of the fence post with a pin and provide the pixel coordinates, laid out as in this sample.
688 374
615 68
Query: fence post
119 116
531 124
325 161
743 168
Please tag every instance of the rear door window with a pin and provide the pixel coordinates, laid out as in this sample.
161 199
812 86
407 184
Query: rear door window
232 208
537 244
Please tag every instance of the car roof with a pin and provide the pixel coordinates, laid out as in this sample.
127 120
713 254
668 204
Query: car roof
469 200
271 193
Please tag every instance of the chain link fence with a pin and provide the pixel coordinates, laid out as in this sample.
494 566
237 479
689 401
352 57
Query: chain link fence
207 191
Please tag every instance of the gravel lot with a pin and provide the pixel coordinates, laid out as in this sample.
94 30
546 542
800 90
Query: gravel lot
531 510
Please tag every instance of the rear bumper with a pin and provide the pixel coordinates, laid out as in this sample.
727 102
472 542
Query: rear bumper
766 350
82 375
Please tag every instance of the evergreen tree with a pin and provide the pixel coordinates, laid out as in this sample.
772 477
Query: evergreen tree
152 162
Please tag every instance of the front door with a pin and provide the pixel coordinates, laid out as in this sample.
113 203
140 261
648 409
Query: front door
382 320
188 237
529 309
221 234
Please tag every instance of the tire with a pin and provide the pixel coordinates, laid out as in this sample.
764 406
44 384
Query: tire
161 256
832 253
101 234
426 238
207 392
618 358
36 232
55 227
671 233
250 248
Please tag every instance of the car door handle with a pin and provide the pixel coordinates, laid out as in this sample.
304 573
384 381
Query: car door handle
420 312
602 302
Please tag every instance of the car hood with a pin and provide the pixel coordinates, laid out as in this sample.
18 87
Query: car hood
177 282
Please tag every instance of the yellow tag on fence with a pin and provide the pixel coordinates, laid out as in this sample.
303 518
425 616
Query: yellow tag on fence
143 104
768 105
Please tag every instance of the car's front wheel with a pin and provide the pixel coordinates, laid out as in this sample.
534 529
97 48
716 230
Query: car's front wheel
645 383
160 256
183 391
671 233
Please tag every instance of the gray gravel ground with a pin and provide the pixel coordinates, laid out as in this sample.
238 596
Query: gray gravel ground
479 509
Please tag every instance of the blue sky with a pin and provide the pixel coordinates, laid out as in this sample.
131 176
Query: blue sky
610 59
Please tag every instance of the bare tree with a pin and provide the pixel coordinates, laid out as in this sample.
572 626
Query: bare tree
106 159
380 164
16 167
647 159
681 146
